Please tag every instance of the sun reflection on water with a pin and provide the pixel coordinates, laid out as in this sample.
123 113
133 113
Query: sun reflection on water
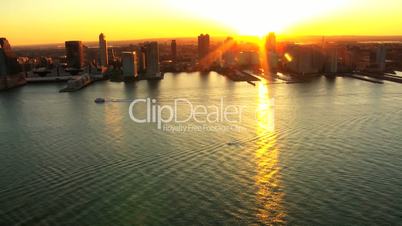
269 194
113 121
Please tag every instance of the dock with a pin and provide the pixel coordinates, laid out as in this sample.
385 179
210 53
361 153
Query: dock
392 78
384 76
365 78
78 83
50 79
250 73
294 78
277 78
251 83
240 76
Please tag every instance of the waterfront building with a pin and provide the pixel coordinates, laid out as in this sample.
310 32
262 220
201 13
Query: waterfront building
140 52
331 64
360 58
103 52
151 50
271 53
111 55
229 59
249 59
345 59
203 46
229 53
270 42
381 57
273 61
10 69
8 60
75 54
306 59
173 47
204 59
129 63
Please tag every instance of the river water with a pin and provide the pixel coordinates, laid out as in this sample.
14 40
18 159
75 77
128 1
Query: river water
323 152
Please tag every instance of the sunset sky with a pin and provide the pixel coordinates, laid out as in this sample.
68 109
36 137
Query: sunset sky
49 21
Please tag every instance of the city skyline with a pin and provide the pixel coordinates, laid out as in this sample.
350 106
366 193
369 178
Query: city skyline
55 22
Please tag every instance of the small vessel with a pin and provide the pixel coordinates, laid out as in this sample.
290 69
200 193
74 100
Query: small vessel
100 100
232 143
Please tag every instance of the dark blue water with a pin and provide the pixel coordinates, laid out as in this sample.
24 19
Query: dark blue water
324 152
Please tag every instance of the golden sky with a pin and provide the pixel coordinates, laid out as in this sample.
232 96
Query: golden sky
50 21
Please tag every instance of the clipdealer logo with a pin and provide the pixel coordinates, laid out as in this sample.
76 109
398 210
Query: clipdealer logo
182 111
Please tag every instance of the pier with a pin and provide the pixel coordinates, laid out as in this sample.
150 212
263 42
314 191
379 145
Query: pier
80 82
380 77
392 78
50 79
365 78
240 76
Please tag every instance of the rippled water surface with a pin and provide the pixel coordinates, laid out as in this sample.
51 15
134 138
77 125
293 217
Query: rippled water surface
324 152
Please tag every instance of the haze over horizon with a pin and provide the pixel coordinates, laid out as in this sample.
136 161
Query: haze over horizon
45 21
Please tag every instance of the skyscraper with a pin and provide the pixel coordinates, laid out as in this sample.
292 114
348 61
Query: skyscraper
129 62
306 59
8 60
272 56
10 70
381 57
203 46
331 64
270 42
140 52
103 53
75 54
173 47
229 53
4 48
152 60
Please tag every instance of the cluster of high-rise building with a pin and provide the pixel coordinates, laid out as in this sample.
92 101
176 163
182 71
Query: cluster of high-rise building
235 57
253 57
139 63
370 57
143 63
333 58
303 60
329 58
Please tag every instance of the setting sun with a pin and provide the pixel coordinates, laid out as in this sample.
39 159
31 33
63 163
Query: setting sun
57 21
257 17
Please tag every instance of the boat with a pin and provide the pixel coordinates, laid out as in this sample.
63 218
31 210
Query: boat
100 100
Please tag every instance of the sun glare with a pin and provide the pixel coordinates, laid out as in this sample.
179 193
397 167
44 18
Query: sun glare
257 17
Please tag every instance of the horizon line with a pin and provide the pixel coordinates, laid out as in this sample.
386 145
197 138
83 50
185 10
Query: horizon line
285 36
